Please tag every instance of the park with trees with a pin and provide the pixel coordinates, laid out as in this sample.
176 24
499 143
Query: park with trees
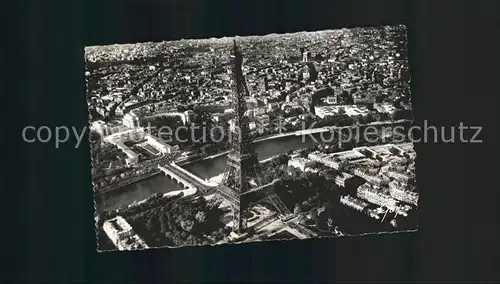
170 221
180 223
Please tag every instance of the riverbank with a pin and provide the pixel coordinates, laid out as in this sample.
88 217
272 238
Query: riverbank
122 184
296 133
209 168
326 128
183 193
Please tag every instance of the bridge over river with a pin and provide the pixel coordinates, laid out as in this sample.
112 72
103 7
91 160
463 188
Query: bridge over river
185 178
205 169
204 188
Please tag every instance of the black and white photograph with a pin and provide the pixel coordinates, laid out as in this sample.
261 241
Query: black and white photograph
178 141
251 138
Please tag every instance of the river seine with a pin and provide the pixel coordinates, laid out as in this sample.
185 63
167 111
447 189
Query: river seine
205 169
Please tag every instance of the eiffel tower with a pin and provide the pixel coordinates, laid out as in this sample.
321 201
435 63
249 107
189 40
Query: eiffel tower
243 172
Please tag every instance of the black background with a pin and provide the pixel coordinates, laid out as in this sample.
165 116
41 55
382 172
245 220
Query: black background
48 221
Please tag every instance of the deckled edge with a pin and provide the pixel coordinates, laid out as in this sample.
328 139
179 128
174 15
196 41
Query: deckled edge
274 240
94 202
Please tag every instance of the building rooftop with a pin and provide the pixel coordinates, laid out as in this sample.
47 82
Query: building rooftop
353 202
119 224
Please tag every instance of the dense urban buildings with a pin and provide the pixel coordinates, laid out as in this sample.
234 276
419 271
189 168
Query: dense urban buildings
211 141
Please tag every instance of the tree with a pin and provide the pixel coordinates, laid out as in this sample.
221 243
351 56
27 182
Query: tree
201 217
294 173
304 153
205 149
297 209
214 203
190 240
330 223
177 238
164 224
94 136
306 204
153 225
282 159
219 234
305 175
167 235
187 225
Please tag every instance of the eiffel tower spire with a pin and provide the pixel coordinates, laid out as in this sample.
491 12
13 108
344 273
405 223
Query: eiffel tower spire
243 182
241 133
243 168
